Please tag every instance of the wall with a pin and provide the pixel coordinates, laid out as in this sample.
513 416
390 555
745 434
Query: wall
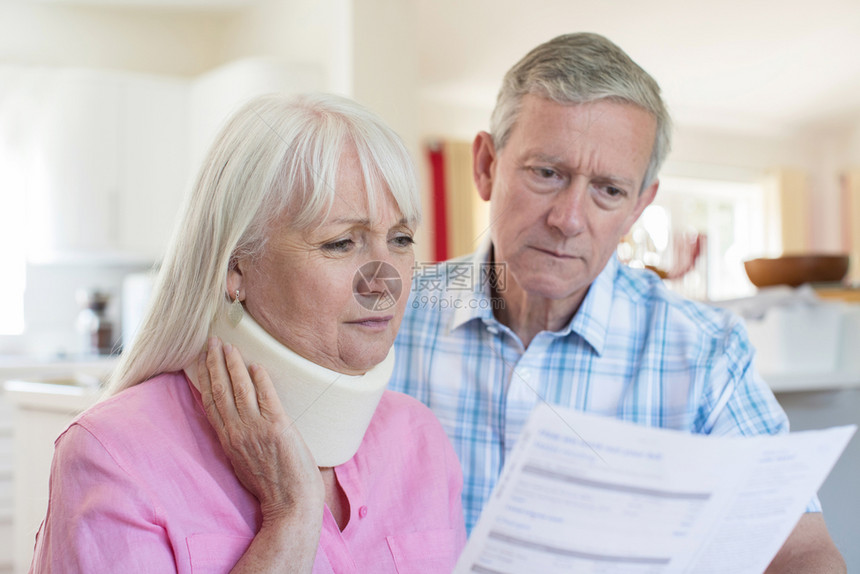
296 31
154 41
829 152
443 117
51 306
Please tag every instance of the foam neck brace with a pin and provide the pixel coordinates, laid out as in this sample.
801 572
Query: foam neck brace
331 410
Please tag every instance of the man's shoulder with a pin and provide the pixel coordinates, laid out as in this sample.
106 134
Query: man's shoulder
642 287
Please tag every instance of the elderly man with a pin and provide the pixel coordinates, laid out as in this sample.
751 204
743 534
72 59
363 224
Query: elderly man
544 311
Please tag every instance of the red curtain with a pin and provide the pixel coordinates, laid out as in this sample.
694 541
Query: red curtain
437 177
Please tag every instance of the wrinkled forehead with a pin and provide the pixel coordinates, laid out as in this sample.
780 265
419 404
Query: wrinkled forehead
355 187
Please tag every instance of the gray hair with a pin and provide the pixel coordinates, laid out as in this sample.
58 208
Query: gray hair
275 156
576 69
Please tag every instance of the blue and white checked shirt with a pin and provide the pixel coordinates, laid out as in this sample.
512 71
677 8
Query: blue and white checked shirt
634 350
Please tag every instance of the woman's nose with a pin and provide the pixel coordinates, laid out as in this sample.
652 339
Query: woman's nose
378 285
372 277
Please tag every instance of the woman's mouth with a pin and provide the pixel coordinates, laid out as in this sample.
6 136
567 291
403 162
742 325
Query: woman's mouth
373 323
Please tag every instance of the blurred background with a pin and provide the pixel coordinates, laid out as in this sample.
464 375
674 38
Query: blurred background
107 107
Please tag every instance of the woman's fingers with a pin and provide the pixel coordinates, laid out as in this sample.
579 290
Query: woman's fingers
244 393
225 383
221 387
267 399
206 395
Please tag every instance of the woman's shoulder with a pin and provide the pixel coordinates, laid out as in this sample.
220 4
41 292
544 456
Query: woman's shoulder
153 404
402 406
401 417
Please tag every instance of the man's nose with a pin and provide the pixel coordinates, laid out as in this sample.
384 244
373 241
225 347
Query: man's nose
567 212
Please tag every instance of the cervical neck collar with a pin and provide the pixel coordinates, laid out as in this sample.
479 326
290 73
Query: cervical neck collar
331 410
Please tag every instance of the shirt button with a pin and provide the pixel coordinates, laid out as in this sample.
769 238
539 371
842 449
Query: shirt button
524 374
362 512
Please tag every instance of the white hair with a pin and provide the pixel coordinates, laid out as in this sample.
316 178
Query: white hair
275 156
576 69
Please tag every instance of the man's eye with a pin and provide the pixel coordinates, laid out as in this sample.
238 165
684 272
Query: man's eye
544 172
611 190
339 246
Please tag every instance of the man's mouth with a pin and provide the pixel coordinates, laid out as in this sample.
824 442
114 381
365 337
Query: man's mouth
554 253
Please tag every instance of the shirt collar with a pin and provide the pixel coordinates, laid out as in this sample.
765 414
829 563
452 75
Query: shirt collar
591 320
474 303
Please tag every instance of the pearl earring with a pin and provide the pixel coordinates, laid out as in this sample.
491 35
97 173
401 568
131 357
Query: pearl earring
236 312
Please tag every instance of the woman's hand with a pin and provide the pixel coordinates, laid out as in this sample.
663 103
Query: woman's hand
269 457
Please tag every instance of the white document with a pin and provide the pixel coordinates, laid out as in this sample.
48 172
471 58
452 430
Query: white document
584 493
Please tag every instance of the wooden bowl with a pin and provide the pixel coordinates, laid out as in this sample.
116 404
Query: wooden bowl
795 270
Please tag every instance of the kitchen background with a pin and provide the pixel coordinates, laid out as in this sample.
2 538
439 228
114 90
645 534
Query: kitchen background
107 106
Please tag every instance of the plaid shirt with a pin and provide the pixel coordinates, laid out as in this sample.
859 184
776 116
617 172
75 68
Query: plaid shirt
634 350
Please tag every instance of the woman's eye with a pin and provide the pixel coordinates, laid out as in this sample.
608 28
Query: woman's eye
340 246
404 240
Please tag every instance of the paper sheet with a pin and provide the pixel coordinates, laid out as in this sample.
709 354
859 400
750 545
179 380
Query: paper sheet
583 493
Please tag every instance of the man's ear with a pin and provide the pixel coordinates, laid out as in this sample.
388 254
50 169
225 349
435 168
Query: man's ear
483 164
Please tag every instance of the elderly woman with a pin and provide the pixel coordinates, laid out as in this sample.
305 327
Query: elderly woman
295 251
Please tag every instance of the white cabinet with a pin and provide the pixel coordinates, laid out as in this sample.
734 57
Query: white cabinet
41 412
108 166
110 155
155 170
6 498
32 415
72 185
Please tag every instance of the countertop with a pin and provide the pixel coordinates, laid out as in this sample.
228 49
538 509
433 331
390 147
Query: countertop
57 396
84 368
64 384
838 292
799 381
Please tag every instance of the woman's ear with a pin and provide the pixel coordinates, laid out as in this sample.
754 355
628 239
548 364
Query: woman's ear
235 281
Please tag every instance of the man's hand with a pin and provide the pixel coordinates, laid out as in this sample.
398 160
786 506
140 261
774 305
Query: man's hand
808 549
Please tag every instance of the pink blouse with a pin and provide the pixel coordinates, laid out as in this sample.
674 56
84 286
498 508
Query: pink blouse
139 483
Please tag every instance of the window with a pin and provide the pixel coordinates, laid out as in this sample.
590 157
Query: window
698 233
